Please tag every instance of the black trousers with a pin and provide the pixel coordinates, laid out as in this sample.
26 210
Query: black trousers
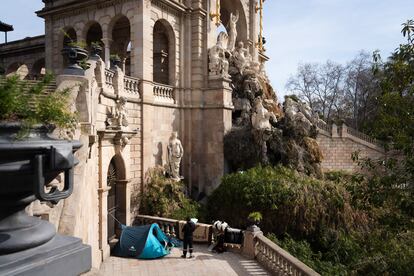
188 242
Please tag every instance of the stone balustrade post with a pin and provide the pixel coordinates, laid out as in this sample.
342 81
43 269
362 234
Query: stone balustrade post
119 81
249 243
334 131
344 130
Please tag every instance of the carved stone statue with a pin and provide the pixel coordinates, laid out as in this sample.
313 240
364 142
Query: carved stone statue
175 153
118 118
241 57
233 31
218 63
261 116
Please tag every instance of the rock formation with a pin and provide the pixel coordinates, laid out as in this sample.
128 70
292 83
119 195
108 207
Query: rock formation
263 131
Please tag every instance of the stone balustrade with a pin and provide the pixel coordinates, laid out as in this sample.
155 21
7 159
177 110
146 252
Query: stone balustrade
164 93
169 226
172 227
279 261
255 245
346 131
131 86
362 136
109 78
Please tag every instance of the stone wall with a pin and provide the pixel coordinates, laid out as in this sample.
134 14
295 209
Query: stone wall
339 143
29 51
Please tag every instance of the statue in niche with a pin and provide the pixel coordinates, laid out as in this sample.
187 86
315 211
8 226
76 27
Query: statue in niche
218 63
175 152
118 118
233 31
241 57
261 116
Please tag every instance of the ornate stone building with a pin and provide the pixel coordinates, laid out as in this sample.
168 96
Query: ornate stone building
165 84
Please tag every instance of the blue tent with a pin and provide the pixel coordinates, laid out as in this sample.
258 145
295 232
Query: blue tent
142 242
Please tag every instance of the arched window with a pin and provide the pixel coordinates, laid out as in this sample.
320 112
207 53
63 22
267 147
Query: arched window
94 35
69 36
38 69
163 53
121 39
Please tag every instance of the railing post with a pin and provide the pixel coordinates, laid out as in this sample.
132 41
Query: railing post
334 130
249 242
344 132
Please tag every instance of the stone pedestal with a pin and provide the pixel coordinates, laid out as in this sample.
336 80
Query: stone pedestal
249 244
63 256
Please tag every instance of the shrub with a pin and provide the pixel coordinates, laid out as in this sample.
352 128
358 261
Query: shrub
290 202
164 197
20 102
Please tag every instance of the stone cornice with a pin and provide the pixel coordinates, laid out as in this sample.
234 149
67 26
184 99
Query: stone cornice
78 7
171 6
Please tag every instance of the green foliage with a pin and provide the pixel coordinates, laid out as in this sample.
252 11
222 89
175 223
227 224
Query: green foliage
290 202
81 44
394 123
29 105
303 251
165 197
255 216
337 226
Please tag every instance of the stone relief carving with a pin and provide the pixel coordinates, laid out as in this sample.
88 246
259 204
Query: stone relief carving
218 63
174 155
118 118
233 31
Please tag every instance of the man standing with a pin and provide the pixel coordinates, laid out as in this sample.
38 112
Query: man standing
188 231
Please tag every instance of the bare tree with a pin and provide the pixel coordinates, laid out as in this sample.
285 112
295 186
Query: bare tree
346 93
319 86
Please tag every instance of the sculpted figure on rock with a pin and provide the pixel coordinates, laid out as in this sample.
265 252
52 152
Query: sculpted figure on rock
261 116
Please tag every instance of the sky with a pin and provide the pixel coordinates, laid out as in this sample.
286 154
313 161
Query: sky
296 31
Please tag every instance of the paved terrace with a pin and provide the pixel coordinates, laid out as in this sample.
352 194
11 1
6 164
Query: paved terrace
204 263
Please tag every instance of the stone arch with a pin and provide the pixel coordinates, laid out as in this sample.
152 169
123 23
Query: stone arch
231 6
164 53
92 32
119 31
116 201
38 69
67 36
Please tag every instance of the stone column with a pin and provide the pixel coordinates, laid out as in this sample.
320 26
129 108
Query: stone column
107 49
103 222
253 30
217 121
334 130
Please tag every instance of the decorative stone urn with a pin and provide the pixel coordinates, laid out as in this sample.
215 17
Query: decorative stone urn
26 167
115 61
75 55
96 50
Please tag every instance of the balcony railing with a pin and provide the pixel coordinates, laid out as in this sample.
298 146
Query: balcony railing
279 261
131 85
267 253
109 78
164 93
